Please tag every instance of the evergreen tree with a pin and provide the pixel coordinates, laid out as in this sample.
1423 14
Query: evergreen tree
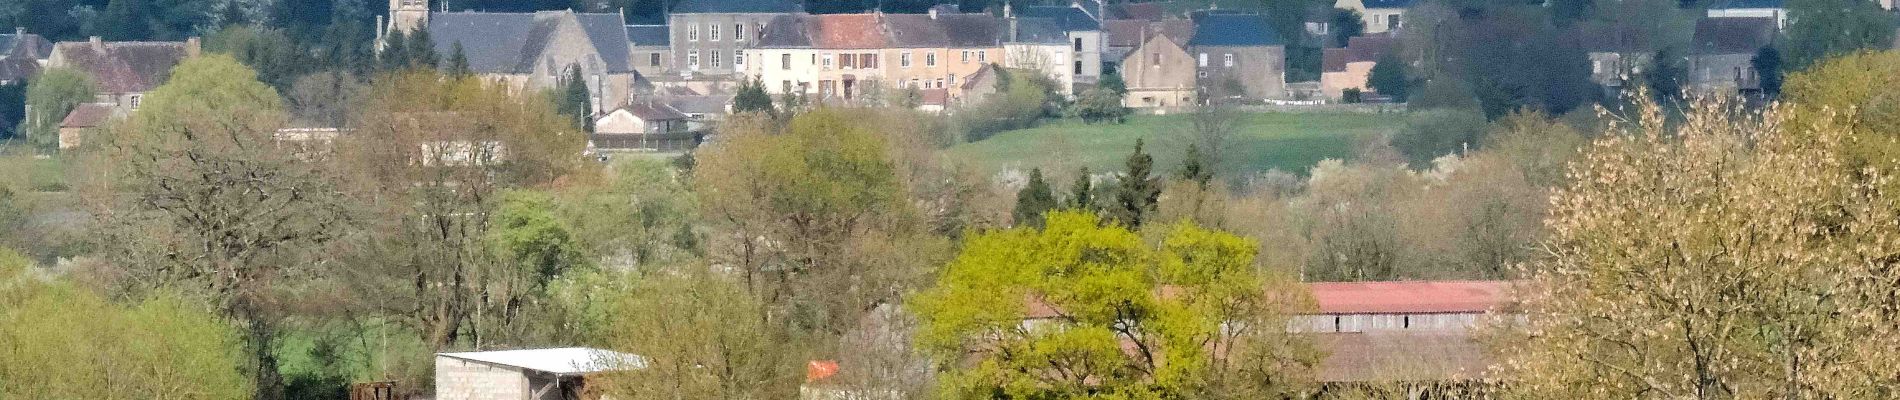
1082 192
1034 200
395 54
1388 77
1194 167
752 97
125 20
422 50
1767 63
573 99
1136 192
458 62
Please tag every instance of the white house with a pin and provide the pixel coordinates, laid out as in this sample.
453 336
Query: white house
534 374
1064 42
1378 15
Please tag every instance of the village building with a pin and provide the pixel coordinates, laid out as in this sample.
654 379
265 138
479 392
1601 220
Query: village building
1380 16
1063 42
83 122
936 51
1755 9
1617 55
643 126
652 49
122 72
22 56
826 58
1238 57
1158 71
536 374
1722 54
709 37
532 52
1350 67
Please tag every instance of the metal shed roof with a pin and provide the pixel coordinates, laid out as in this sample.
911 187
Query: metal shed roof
558 361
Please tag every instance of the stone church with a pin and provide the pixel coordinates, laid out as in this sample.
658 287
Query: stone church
531 51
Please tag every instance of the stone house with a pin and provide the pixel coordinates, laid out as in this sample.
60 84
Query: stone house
709 36
1238 56
645 125
22 55
1616 55
1349 67
536 374
122 71
534 51
1722 54
83 121
1380 16
1064 42
652 50
1159 71
830 57
942 49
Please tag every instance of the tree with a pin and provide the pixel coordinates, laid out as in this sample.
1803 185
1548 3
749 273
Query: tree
1818 29
1732 256
1767 63
700 337
1112 81
421 50
1388 78
278 60
458 62
1346 24
1194 167
201 162
12 108
65 342
527 234
1214 135
394 55
752 97
1082 192
1136 191
1034 200
1081 309
574 101
1430 134
325 98
50 97
1100 105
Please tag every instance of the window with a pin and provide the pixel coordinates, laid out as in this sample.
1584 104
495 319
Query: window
930 59
867 60
653 59
913 83
1227 60
692 59
903 59
738 59
785 61
966 57
1203 59
953 80
692 33
1202 74
760 29
785 86
715 58
738 33
135 101
1157 59
940 83
827 61
1078 43
712 32
1392 22
848 60
1078 67
982 56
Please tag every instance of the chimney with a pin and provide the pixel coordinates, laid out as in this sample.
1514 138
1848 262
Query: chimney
98 44
19 30
933 12
1006 11
191 46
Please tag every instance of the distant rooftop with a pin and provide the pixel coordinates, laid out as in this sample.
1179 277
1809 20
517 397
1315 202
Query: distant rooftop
558 361
1409 297
735 7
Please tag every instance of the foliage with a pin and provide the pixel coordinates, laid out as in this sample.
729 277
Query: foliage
324 98
1433 133
1852 92
12 108
1767 63
1034 200
1136 189
51 96
64 342
1099 105
1021 102
1446 93
1510 55
278 59
572 99
1112 82
1259 142
752 98
1082 192
1351 96
1719 257
457 65
638 213
700 337
1102 287
1388 78
1819 29
527 234
1346 24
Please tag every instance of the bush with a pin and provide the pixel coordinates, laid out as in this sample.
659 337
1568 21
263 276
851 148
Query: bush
1352 95
1099 105
1447 93
1438 132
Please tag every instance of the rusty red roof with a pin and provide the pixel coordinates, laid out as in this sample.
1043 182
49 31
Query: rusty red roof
848 31
124 67
818 370
87 115
1409 297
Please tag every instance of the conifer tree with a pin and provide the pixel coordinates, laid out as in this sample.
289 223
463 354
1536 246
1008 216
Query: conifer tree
1194 167
395 54
1082 192
1034 200
458 62
1136 193
422 50
574 101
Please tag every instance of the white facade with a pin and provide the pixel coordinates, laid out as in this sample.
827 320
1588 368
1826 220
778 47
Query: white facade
1377 20
1779 14
1362 323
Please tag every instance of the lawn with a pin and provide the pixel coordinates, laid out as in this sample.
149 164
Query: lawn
1290 142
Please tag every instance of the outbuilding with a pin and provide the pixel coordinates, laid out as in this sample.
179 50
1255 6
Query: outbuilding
532 374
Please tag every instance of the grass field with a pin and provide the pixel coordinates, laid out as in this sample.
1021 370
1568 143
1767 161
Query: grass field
1286 141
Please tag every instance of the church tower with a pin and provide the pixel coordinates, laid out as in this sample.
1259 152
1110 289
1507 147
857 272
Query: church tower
408 15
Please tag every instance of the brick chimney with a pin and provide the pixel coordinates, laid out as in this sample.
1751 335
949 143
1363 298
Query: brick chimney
192 46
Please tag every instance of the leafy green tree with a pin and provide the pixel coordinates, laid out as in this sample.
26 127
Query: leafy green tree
752 98
700 337
1818 29
1083 309
1034 200
66 343
1112 81
526 232
51 96
1136 189
458 62
1100 105
1388 78
200 154
1434 133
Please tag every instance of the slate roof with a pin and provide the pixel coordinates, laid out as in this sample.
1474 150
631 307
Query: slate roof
946 30
648 35
124 67
512 42
1138 11
1734 4
1066 18
1389 3
785 31
87 115
1039 30
1732 35
30 45
1219 29
1131 33
652 111
706 105
735 7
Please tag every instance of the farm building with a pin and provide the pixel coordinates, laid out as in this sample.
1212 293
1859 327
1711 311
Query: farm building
535 374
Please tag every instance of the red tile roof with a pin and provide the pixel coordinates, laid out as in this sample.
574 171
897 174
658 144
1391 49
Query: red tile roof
124 67
847 31
88 115
818 370
1410 297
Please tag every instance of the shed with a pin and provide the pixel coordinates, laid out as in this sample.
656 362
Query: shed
84 118
1447 306
530 374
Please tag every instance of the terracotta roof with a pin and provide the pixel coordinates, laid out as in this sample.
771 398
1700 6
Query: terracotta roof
847 31
1409 297
87 115
818 370
1733 35
123 67
1358 49
944 30
1399 356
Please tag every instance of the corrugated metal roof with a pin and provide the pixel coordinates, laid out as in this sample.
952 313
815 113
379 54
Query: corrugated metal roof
1409 297
559 361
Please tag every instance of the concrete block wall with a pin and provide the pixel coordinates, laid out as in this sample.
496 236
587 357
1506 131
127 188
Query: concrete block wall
459 379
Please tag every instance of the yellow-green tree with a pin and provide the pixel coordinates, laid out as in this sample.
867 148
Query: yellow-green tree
1859 92
1715 257
1189 318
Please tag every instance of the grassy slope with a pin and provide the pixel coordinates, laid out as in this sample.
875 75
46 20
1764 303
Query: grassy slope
1286 141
